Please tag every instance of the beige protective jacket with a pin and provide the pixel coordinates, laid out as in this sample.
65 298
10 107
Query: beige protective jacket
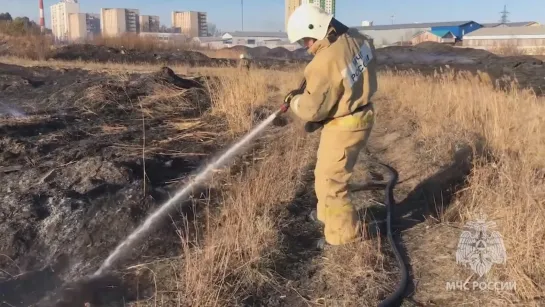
340 78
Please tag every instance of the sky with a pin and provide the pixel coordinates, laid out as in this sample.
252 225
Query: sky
268 15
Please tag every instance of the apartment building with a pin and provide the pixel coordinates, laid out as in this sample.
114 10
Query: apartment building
60 14
93 24
83 26
149 23
327 5
191 23
116 21
77 26
290 6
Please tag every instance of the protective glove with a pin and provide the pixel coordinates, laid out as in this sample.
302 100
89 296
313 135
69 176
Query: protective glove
287 100
313 126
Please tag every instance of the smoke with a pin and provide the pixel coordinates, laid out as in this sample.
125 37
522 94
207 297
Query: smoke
6 110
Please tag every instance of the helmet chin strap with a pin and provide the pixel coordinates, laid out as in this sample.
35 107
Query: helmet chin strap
336 28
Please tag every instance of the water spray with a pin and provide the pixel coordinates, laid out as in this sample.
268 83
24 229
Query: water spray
164 209
145 227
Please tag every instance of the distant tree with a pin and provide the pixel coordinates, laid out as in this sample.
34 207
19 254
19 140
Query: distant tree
17 26
5 17
212 29
24 21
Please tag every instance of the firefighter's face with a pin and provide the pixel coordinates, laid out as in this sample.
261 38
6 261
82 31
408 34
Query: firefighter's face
308 42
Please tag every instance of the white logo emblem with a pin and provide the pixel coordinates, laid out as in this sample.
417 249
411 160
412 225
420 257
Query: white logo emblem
358 64
479 247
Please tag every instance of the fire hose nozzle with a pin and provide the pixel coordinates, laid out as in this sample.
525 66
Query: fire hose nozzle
284 107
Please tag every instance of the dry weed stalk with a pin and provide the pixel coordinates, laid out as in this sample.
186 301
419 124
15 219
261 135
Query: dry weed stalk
235 96
168 99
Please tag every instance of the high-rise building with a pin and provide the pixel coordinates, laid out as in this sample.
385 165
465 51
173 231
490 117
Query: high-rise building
93 24
114 22
60 14
77 26
290 6
191 23
327 5
83 26
149 23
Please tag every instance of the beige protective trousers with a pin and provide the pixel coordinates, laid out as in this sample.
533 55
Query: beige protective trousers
337 154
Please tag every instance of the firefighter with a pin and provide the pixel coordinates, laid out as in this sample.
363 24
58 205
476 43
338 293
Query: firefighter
340 83
244 62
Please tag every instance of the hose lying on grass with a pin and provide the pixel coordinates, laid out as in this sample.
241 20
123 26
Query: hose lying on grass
395 298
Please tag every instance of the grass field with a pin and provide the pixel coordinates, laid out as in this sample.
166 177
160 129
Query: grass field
229 256
506 184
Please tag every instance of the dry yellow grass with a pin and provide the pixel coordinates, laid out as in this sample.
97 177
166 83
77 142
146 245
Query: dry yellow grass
514 50
36 47
222 53
508 188
229 262
236 94
446 111
226 258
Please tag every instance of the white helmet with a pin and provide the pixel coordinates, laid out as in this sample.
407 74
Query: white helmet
308 20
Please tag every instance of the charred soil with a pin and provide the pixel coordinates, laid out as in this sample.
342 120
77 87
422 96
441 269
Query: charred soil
84 157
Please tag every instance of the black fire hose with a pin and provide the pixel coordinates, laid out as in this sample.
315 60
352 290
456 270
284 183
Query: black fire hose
395 298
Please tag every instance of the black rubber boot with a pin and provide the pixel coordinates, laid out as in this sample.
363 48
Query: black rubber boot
313 216
321 244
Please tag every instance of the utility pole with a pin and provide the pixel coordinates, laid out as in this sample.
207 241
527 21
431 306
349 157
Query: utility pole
504 15
242 13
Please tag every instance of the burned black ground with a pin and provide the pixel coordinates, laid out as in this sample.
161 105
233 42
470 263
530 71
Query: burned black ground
73 185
